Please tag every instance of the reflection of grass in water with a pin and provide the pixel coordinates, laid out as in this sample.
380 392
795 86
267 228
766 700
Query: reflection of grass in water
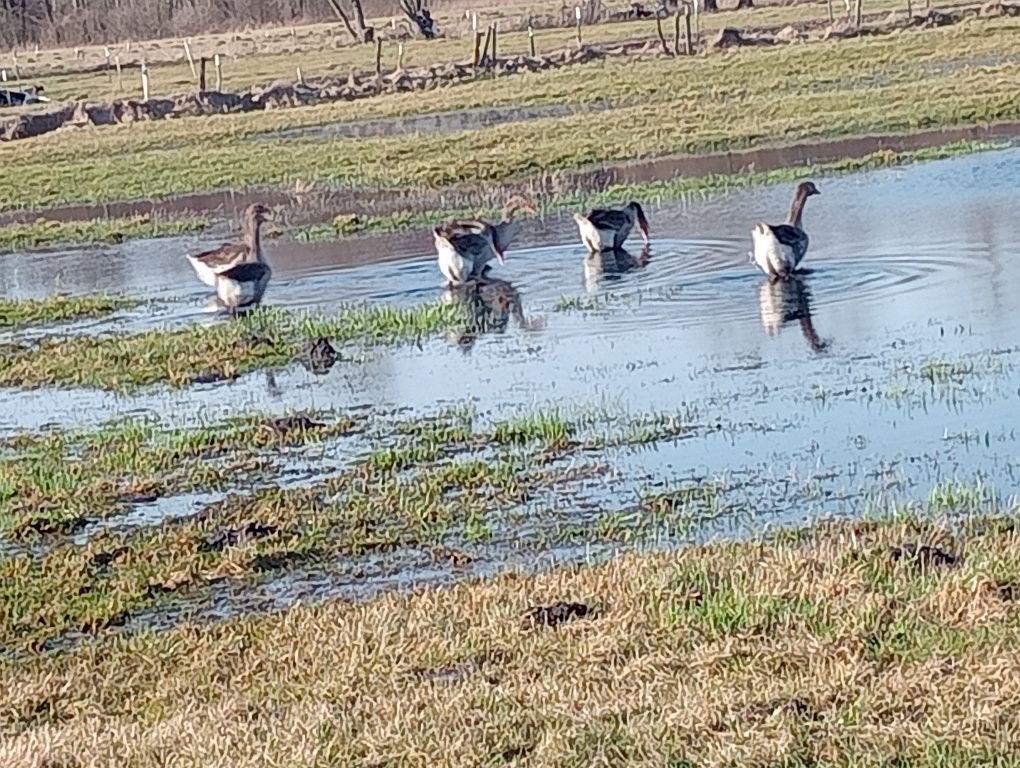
47 232
17 312
959 496
266 337
803 646
685 105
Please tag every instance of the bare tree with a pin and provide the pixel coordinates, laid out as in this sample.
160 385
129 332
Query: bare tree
418 13
363 32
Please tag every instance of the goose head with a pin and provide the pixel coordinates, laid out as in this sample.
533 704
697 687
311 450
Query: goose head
517 203
807 188
256 214
635 210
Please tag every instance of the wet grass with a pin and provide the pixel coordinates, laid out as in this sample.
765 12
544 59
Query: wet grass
220 350
443 481
54 309
896 83
822 646
58 482
44 232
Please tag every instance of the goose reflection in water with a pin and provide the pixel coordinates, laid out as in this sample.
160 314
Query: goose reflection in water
600 266
783 301
490 304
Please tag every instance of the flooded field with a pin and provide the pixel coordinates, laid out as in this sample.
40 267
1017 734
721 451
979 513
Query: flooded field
887 372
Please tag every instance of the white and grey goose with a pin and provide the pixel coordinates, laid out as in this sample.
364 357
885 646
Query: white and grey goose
607 229
778 249
463 255
209 264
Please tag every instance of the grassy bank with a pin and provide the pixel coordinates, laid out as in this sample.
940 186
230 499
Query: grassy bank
685 105
54 309
863 644
44 232
657 191
219 350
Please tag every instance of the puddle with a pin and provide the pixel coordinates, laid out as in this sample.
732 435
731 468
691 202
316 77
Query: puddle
891 366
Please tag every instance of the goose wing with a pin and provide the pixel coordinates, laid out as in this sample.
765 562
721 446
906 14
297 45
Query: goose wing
249 272
607 218
791 236
467 227
220 258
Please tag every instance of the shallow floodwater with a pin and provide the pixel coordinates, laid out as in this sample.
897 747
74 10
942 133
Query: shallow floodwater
889 368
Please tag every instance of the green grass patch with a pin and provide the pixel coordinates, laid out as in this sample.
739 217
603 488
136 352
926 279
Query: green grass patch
264 338
46 232
55 309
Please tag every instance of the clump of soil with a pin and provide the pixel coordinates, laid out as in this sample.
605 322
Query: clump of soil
284 425
925 557
318 356
558 613
231 537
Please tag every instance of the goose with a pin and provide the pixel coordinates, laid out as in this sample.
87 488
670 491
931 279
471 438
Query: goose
778 249
463 255
209 264
504 231
606 229
243 285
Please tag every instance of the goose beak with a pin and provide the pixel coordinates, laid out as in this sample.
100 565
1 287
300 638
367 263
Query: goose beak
644 232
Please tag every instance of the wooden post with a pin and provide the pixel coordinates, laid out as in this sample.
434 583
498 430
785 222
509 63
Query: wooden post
120 79
400 56
485 49
478 50
300 77
832 15
495 33
106 55
531 41
3 75
688 38
910 11
695 4
577 15
191 61
17 69
662 37
219 72
201 73
378 57
676 33
859 13
145 81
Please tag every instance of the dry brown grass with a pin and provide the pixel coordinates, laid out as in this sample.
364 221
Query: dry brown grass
819 648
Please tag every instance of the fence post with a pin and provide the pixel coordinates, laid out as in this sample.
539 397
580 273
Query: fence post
201 73
495 32
218 64
145 81
191 60
378 57
577 15
531 41
120 79
688 39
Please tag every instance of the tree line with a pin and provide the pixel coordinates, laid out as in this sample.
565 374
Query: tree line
88 22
